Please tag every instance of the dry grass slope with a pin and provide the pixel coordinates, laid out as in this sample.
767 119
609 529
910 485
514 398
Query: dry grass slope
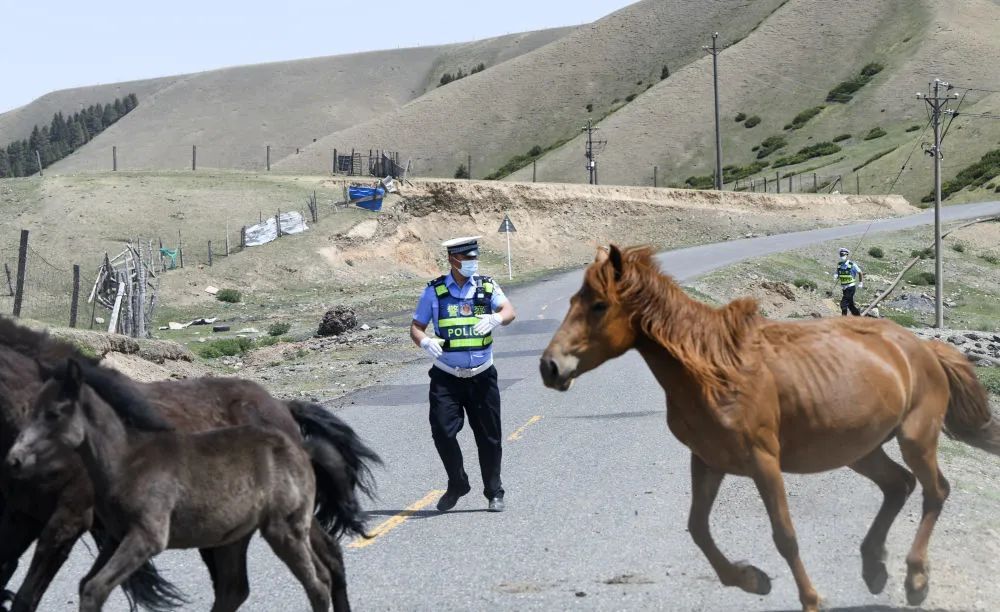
541 98
788 65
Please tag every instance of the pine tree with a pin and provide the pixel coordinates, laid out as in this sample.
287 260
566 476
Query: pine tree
119 107
110 116
5 171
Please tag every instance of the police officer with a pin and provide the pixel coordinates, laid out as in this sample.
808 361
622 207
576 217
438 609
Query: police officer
465 308
850 277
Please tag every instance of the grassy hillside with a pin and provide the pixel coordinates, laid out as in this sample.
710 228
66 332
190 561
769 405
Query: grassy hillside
544 97
233 113
789 65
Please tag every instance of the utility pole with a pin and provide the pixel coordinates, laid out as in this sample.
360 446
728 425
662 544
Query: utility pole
937 105
593 147
714 50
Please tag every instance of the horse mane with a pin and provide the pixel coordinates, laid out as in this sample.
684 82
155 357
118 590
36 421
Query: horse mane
39 344
707 341
121 394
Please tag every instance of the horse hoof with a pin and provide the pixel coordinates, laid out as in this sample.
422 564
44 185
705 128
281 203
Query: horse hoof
753 580
917 587
875 576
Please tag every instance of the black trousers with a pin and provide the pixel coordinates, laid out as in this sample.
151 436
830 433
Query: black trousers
453 398
847 301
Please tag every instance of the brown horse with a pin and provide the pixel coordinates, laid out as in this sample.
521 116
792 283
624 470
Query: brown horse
754 397
55 509
158 488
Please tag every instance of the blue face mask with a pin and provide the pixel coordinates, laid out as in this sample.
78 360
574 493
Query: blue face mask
469 267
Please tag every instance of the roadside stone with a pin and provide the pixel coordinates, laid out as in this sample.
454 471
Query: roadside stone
337 321
780 288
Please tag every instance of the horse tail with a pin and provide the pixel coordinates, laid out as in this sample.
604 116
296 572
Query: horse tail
145 587
342 464
968 417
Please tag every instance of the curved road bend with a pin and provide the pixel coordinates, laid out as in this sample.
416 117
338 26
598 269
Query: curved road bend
597 494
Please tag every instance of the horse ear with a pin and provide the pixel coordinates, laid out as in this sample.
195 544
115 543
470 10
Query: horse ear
74 378
601 255
615 255
45 371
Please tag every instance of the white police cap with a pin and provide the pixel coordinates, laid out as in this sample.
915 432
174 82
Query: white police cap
468 245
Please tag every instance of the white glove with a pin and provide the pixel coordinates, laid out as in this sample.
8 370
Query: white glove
432 347
487 323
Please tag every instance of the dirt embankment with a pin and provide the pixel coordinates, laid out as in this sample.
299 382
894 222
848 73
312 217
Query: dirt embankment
560 224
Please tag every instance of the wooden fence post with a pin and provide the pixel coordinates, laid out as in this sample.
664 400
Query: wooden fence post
75 301
469 168
243 237
227 237
655 170
534 170
194 157
209 252
277 221
180 249
777 181
790 177
268 158
22 261
857 178
334 161
815 184
114 158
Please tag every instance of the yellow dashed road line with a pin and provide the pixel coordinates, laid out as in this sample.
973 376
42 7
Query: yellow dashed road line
397 520
520 430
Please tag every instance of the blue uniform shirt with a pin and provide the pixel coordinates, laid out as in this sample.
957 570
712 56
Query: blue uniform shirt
427 310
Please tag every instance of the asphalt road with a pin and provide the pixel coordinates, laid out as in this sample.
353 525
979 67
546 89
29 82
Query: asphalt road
597 493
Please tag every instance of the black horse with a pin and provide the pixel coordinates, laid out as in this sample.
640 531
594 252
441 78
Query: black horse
54 510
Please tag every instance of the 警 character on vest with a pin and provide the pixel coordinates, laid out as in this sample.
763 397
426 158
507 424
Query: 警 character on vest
464 307
850 277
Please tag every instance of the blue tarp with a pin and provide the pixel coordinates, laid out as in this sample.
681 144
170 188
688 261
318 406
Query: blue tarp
372 196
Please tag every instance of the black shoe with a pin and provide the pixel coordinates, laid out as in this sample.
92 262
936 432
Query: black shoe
496 505
450 498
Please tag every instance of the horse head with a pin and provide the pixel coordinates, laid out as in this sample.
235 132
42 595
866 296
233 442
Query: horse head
56 423
598 326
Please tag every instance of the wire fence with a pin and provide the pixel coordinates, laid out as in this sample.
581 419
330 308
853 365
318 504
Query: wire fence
47 285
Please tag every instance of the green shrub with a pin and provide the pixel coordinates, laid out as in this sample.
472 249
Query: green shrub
875 132
990 258
730 174
590 107
990 377
461 172
770 145
903 318
976 175
665 72
740 117
630 97
927 253
805 283
479 68
267 341
817 150
752 122
225 347
841 137
873 158
278 329
913 128
519 161
231 296
804 117
958 247
755 148
990 186
920 278
845 91
876 252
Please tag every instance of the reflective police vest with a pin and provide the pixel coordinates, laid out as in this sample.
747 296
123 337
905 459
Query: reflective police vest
845 272
456 326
